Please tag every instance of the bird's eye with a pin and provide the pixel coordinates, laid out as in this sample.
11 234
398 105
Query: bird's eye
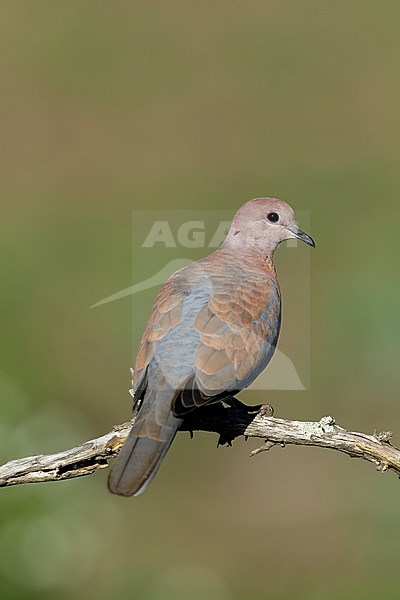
273 217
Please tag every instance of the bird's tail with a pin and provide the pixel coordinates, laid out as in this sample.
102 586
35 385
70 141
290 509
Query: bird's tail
143 450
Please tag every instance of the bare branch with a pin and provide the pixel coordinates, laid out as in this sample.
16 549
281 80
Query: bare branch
229 423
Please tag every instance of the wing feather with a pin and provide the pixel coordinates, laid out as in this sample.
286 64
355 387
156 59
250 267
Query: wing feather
229 342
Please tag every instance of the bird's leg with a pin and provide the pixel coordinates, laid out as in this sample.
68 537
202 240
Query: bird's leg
216 410
236 404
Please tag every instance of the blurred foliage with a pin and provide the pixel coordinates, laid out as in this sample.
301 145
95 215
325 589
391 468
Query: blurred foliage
111 107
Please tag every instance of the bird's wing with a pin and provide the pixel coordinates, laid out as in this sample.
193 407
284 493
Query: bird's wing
238 330
166 315
225 338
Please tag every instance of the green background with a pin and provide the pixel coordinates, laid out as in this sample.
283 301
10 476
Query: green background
108 107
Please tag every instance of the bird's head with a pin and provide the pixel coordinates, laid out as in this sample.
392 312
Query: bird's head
262 224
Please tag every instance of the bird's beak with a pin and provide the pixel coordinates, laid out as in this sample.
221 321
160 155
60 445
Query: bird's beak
302 235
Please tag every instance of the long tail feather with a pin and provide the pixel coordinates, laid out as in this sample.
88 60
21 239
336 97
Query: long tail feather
139 459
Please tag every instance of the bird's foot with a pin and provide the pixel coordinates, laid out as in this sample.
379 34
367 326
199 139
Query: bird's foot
266 409
236 404
227 437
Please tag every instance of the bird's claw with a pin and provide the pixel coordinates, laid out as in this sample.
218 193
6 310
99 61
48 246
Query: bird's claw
234 403
266 409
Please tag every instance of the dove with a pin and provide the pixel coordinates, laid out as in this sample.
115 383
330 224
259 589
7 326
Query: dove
213 328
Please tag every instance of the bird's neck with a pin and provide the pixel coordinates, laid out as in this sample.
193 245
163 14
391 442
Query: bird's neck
251 259
262 247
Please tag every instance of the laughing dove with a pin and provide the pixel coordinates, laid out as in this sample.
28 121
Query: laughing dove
213 328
